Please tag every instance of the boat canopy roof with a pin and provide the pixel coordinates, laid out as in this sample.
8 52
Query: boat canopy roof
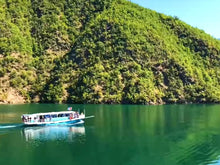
48 113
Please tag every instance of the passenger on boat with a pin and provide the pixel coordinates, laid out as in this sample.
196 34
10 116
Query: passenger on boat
71 116
23 118
42 118
76 114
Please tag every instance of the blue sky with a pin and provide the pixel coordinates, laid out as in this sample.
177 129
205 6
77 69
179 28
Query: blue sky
203 14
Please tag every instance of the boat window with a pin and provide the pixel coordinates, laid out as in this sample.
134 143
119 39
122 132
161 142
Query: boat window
54 116
67 114
60 115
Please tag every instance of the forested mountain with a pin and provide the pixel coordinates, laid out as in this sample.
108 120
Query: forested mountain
103 51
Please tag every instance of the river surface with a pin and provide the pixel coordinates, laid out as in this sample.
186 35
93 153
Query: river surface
117 135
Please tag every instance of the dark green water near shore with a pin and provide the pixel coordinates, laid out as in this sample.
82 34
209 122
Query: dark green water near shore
118 135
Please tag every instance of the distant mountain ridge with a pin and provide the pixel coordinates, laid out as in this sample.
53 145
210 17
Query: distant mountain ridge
109 51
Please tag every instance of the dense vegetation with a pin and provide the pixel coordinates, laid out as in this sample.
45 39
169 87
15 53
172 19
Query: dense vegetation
103 51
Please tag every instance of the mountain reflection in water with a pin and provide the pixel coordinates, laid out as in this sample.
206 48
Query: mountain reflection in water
118 135
64 133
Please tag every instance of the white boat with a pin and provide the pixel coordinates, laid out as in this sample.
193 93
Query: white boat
53 118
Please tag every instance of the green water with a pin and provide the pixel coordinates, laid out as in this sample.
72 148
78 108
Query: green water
118 135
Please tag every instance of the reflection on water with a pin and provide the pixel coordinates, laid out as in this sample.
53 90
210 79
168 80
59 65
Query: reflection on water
64 133
118 135
216 162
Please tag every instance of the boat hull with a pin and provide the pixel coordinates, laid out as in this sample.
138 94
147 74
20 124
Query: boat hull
69 122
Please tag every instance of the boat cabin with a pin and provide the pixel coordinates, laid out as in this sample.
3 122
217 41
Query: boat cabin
50 117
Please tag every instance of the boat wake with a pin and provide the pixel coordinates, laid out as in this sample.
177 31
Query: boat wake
7 126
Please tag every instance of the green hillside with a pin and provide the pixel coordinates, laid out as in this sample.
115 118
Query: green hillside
103 51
